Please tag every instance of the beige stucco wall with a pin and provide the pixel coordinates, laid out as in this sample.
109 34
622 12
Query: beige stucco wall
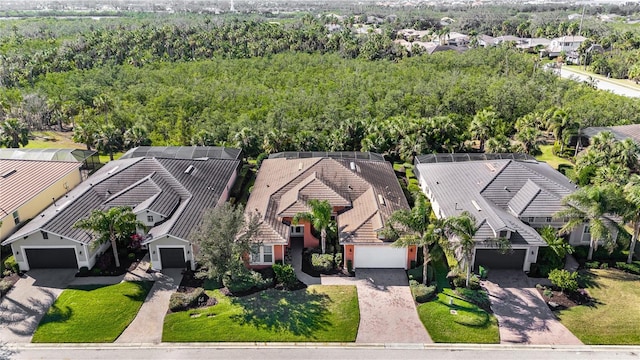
39 202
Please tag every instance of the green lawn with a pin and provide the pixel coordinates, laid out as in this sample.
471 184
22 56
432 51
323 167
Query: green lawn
470 324
52 139
615 317
319 313
553 160
95 313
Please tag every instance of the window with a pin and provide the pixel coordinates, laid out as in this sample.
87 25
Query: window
16 218
261 254
150 218
45 235
549 219
504 234
587 229
297 230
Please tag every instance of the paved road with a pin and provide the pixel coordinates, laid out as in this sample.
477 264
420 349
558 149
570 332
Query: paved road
31 297
523 316
387 311
319 352
600 83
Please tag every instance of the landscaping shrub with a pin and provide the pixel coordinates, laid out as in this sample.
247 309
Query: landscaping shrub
483 272
180 301
478 297
5 286
460 281
244 281
548 293
11 264
633 268
84 271
592 264
547 261
474 283
416 273
322 262
564 279
422 293
349 266
131 256
604 265
285 275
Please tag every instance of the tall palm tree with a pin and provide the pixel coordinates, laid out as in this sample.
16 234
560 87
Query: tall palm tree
319 217
138 135
631 211
108 140
463 228
417 227
482 126
85 133
562 126
556 243
110 225
589 205
13 133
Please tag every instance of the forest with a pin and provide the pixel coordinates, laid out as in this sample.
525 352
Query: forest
272 86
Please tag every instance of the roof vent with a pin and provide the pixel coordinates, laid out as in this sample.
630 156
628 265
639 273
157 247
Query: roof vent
352 166
381 199
189 169
475 204
113 170
300 166
491 167
9 173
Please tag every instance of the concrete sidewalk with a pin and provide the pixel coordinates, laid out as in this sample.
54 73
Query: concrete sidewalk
148 324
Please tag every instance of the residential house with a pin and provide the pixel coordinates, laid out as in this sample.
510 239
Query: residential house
564 44
362 189
619 132
168 189
509 195
28 186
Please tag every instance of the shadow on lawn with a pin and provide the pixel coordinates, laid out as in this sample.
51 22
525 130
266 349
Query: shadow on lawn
299 312
468 315
143 290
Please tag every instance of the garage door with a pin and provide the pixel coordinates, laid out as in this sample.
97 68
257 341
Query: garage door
172 258
52 258
380 257
493 259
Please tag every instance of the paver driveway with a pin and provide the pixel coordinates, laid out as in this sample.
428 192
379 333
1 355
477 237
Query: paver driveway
31 297
387 311
523 316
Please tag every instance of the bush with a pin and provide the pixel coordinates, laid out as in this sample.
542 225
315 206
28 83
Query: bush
182 301
131 256
483 272
474 283
244 281
592 264
322 262
423 293
478 297
548 293
261 158
633 268
564 279
5 286
84 271
349 266
416 273
11 264
285 275
604 265
460 281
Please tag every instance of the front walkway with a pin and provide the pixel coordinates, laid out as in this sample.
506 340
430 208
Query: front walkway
523 316
31 297
148 324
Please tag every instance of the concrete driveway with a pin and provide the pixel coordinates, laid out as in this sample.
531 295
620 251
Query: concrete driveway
387 311
31 297
147 326
523 316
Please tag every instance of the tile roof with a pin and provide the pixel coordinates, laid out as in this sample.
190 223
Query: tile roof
21 180
184 152
284 184
496 192
157 184
620 132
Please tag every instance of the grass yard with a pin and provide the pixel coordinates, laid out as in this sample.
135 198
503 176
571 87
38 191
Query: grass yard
52 139
615 317
319 313
553 160
470 324
95 313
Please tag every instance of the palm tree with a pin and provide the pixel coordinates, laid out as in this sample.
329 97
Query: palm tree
319 217
110 225
589 205
108 140
416 227
482 126
85 133
463 228
557 244
138 135
562 126
13 133
631 211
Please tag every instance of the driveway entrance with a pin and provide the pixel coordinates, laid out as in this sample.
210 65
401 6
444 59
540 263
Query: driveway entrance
31 297
387 311
523 316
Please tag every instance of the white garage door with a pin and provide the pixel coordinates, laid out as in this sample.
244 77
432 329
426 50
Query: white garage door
380 257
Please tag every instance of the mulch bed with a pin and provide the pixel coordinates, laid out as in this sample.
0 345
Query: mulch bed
126 265
560 300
